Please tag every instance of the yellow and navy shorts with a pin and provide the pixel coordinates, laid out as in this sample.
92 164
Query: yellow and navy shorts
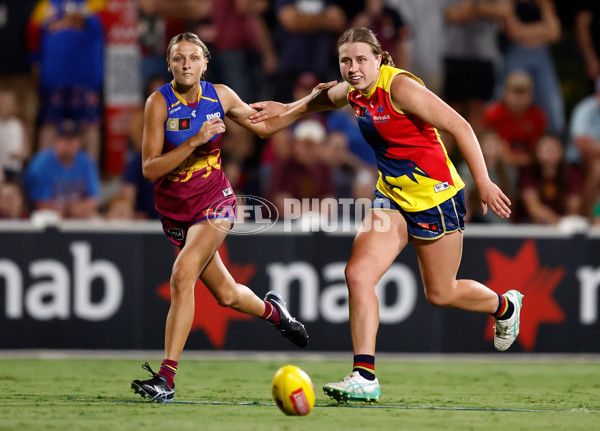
433 223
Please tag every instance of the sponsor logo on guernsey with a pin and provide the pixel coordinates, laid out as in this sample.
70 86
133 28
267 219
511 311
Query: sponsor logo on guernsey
212 116
178 124
227 192
176 233
175 110
381 118
441 187
194 113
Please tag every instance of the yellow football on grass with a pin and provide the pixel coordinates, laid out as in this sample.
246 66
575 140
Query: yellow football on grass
293 391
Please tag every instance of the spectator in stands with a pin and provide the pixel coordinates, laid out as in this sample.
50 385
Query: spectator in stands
587 32
67 47
530 28
13 143
516 119
64 178
15 68
159 21
502 173
351 177
306 41
343 120
119 208
304 175
596 215
471 56
13 204
550 189
584 146
386 22
426 24
243 44
278 147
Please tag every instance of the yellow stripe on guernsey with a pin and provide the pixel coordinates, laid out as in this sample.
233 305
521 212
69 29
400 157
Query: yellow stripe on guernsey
182 100
414 168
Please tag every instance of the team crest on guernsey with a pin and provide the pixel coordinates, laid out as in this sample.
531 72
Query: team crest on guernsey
360 111
178 124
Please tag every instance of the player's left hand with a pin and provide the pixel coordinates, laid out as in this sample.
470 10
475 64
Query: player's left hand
492 196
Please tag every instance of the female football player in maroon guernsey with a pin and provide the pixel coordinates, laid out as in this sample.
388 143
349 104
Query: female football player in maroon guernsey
419 197
181 147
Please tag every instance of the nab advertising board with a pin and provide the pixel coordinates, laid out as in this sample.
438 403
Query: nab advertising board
110 290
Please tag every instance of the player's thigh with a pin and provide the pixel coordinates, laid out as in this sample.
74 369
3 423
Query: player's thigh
382 236
439 260
202 242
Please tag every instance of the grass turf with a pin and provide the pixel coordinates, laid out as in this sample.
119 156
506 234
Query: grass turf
449 394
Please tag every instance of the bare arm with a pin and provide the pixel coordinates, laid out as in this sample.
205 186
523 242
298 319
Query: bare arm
497 10
548 30
331 19
413 98
275 116
178 9
155 164
462 12
537 210
583 21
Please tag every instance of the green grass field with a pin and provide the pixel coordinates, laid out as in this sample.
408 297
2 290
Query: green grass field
235 394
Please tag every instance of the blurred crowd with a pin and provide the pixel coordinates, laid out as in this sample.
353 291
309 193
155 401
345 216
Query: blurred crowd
524 73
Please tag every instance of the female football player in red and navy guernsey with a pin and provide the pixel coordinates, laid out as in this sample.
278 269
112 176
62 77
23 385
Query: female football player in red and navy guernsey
183 123
418 196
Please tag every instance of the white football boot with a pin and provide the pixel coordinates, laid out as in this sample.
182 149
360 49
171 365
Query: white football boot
506 331
354 387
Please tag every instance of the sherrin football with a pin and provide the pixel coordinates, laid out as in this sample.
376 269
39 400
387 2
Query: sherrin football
293 391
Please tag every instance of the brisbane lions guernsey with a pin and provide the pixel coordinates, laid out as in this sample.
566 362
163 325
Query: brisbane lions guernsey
198 182
414 168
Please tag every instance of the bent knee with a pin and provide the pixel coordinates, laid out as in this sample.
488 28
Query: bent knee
356 276
226 298
439 299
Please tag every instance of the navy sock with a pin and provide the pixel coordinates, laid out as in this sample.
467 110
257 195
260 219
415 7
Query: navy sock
365 365
505 308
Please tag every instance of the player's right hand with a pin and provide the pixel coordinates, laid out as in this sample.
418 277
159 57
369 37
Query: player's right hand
265 109
209 129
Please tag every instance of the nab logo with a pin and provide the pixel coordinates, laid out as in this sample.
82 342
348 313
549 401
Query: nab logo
212 116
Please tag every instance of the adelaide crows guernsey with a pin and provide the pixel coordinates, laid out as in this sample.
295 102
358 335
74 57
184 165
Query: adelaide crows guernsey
414 168
198 182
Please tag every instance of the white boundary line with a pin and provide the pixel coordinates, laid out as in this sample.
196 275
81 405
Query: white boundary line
298 356
351 405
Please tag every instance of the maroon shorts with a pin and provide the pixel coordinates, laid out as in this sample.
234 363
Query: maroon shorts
177 230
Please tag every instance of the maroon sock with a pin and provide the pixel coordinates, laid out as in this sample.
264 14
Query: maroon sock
168 368
271 313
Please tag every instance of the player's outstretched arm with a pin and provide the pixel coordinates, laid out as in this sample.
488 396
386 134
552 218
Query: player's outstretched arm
269 117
